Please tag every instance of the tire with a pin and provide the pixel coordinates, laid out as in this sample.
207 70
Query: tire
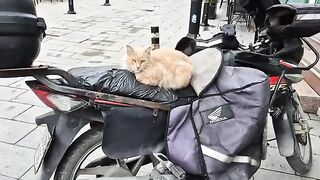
300 164
296 162
77 151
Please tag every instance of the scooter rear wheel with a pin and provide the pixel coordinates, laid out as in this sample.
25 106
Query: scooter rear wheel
84 158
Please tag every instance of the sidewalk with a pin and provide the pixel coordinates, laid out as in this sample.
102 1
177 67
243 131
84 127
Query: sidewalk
96 36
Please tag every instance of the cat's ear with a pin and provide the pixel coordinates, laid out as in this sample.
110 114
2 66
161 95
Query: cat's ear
130 50
148 51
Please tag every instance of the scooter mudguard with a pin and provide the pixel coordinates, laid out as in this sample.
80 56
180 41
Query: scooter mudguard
63 128
284 135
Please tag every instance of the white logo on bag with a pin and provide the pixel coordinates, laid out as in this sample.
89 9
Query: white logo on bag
215 116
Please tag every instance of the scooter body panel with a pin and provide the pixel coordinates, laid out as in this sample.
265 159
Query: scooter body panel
63 128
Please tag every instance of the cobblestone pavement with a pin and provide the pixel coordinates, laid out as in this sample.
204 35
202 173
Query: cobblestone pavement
95 36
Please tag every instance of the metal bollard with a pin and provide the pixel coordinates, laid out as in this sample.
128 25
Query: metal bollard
155 41
71 7
205 13
107 3
194 21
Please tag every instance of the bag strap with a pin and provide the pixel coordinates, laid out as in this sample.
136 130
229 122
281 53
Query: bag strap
201 159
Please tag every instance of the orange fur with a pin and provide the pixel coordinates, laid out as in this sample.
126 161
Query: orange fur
166 68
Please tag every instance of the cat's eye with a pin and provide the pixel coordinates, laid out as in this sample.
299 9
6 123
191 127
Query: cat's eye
142 61
134 60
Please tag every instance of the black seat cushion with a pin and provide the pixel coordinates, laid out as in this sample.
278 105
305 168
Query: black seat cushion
123 83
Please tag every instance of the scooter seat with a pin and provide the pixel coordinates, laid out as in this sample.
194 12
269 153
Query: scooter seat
108 79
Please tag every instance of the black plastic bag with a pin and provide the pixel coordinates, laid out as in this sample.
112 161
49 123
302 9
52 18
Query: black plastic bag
120 82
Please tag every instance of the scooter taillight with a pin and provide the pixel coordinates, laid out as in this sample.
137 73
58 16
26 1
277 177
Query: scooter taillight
273 80
57 101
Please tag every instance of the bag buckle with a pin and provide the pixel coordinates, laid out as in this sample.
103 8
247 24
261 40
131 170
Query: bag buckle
177 171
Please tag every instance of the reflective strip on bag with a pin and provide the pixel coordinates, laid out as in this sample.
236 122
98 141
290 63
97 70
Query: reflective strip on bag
228 159
17 14
308 17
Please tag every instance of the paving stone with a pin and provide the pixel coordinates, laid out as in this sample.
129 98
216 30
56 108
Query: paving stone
103 45
55 44
58 54
315 142
50 46
15 161
93 30
75 37
271 134
6 178
92 53
276 162
7 93
33 139
8 81
53 61
316 127
101 61
13 131
30 114
9 110
263 174
57 32
50 60
28 98
76 49
314 117
29 175
21 84
141 42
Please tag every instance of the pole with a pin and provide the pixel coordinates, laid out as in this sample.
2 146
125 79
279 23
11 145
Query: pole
155 40
194 21
107 3
205 14
71 7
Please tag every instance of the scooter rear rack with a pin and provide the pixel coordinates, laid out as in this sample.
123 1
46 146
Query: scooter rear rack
40 73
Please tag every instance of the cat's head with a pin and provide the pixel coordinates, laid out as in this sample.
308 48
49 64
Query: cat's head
138 59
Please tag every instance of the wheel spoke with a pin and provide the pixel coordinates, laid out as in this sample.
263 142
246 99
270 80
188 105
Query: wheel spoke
304 147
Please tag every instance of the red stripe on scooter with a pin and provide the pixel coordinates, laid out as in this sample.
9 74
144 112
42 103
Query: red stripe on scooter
274 79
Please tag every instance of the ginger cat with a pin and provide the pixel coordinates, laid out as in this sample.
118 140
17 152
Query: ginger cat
166 68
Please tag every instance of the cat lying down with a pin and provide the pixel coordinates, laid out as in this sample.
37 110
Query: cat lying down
166 68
